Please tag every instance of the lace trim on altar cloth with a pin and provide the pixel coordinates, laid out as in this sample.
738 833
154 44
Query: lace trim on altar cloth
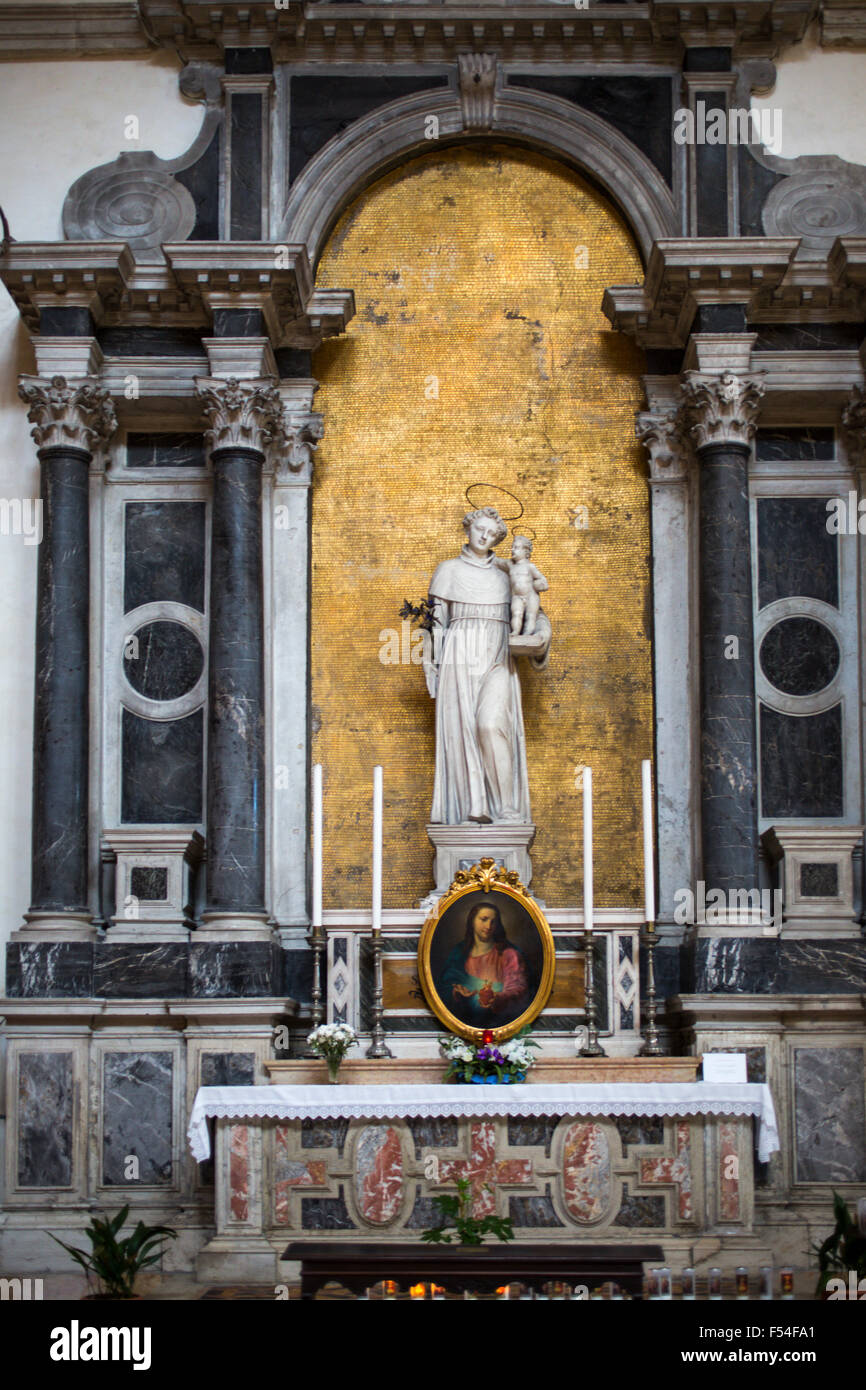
521 1101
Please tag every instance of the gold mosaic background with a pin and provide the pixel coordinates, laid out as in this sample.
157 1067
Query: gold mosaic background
478 275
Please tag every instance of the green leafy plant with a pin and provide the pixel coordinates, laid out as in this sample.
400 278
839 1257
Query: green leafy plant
844 1248
456 1212
116 1263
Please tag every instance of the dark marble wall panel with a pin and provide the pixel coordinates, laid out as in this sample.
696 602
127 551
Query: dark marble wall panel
324 1134
234 969
533 1211
135 341
162 764
641 108
423 1214
228 1068
165 661
809 443
202 180
164 554
799 656
127 970
297 975
752 965
532 1132
45 1119
639 1129
639 1211
246 166
711 163
322 106
801 763
829 1111
49 969
165 451
807 337
756 183
137 1117
439 1133
797 556
326 1213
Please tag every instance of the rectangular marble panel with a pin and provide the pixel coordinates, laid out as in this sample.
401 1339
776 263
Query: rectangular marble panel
228 1068
830 1115
797 555
127 970
162 770
165 450
45 1119
137 1117
801 763
236 969
49 969
164 554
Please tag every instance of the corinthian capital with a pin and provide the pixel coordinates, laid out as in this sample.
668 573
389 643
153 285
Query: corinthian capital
854 425
721 409
78 414
242 414
304 429
665 438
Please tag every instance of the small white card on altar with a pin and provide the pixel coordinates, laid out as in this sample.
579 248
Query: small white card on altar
724 1066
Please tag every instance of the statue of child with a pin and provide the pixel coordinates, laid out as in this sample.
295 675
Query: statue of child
527 583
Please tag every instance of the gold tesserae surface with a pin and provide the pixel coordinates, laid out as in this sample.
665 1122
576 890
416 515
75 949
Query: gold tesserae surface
479 369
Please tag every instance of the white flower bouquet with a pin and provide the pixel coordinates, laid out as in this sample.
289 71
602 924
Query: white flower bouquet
332 1041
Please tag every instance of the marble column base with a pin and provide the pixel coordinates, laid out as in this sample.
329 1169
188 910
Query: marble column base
234 926
462 846
56 926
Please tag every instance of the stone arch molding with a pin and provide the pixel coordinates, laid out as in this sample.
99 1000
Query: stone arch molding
393 134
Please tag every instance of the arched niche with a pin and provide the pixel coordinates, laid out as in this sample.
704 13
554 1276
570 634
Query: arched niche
400 130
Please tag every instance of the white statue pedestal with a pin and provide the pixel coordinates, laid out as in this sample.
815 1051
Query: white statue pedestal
462 846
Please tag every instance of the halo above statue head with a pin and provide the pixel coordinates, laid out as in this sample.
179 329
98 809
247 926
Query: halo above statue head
488 499
528 531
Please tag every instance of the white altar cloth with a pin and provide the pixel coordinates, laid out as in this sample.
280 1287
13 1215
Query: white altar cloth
399 1102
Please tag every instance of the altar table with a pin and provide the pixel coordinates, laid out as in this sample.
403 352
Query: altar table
585 1162
397 1102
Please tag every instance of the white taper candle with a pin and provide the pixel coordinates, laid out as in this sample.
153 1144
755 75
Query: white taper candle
317 845
649 883
378 800
587 849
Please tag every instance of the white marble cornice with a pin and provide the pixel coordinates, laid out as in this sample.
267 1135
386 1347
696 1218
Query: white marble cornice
76 414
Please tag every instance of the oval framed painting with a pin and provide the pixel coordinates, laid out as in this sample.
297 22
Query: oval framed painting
486 957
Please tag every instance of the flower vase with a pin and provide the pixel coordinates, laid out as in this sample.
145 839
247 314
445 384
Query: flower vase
334 1070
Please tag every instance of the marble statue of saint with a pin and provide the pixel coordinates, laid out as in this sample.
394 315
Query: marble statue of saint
471 673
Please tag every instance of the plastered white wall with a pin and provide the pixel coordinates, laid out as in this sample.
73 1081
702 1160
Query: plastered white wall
57 120
822 96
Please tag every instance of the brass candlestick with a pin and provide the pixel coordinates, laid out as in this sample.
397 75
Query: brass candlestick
378 1047
318 941
651 1047
592 1047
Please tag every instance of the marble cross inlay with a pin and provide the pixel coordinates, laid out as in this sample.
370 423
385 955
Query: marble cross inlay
291 1173
675 1169
484 1170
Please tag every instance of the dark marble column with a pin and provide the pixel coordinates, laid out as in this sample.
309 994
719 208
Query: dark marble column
70 419
244 418
722 411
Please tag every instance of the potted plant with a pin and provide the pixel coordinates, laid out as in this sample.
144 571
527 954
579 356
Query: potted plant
470 1230
115 1263
843 1250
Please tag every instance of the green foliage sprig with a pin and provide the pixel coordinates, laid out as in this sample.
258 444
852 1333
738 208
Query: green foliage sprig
456 1212
116 1263
844 1248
